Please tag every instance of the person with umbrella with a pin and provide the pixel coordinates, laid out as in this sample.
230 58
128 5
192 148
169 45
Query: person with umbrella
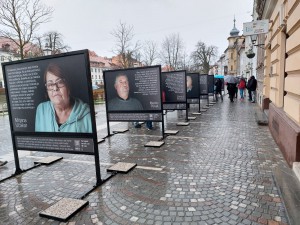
252 84
231 86
218 85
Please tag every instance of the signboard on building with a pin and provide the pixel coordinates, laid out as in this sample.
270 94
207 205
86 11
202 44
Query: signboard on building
256 27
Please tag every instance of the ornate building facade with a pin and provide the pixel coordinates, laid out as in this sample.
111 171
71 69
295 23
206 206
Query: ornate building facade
279 72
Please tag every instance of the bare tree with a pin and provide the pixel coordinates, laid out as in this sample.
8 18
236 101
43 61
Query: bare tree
52 40
185 61
150 53
20 19
171 51
125 49
202 57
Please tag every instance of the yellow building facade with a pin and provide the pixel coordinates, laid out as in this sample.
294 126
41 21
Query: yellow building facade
279 65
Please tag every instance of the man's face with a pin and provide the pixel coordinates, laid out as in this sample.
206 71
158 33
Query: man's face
122 87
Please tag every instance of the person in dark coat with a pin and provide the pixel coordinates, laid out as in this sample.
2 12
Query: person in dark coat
231 90
218 90
251 86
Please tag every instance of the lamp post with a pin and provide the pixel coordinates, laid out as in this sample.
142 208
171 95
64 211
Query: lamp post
250 54
254 39
47 50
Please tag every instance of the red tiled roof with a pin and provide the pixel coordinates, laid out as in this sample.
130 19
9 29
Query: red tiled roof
14 48
106 62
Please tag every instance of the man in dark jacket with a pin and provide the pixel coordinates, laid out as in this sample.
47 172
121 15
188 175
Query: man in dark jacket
251 86
218 85
231 90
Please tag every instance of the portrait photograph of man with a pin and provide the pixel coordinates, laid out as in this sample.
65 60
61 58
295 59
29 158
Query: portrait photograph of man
123 100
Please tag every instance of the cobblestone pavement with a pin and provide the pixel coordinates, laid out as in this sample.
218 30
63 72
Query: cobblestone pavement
217 170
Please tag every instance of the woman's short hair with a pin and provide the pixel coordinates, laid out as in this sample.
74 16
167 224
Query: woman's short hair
55 70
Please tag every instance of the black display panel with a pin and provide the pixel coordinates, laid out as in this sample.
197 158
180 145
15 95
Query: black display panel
174 90
133 94
210 84
51 97
203 84
192 86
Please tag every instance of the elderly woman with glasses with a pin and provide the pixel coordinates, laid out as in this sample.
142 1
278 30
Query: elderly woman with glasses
62 113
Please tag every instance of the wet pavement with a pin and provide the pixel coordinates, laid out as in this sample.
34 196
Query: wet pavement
217 170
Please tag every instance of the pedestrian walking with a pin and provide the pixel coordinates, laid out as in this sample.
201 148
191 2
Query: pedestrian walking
241 87
218 91
231 90
231 85
249 91
252 85
236 89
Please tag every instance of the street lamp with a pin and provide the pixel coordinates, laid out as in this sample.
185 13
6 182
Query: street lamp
250 54
47 50
254 39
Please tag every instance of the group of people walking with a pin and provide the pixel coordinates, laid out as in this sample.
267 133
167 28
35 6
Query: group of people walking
240 86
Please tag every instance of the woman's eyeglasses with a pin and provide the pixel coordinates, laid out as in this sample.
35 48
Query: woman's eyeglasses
59 84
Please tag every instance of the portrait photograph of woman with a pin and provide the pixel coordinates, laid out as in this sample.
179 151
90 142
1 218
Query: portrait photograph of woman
62 112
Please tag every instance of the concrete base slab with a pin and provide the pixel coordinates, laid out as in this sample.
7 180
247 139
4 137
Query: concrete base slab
154 144
203 110
120 130
122 167
205 107
64 209
196 113
182 124
48 160
171 131
192 117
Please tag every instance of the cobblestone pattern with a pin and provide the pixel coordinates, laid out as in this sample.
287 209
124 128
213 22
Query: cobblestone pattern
217 170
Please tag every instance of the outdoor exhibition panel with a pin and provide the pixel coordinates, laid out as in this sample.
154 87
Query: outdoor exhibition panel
192 88
37 89
27 93
210 84
133 94
174 90
203 84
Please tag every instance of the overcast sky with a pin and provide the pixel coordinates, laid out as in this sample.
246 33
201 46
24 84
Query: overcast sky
87 24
